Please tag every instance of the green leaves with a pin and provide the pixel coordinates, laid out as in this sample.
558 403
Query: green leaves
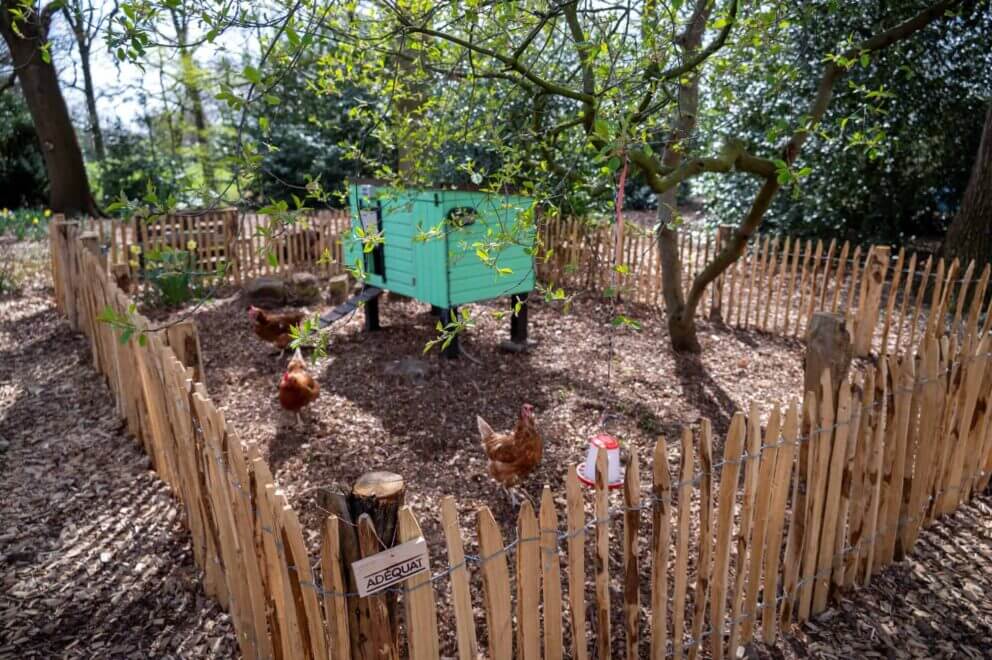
252 75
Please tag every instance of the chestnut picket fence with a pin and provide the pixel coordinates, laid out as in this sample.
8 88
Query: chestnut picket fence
889 299
806 500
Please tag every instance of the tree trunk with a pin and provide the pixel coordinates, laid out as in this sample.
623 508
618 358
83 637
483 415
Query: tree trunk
81 30
84 61
190 80
67 180
681 318
970 234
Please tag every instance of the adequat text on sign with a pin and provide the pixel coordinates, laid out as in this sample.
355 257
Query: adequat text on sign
390 567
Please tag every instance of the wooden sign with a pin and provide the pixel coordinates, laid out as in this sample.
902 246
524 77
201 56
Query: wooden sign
390 567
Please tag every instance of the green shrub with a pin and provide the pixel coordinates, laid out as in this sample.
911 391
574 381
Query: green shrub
172 276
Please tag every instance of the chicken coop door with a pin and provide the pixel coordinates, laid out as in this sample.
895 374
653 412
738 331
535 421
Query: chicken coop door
371 219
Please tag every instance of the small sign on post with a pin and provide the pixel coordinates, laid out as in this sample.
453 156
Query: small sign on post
390 567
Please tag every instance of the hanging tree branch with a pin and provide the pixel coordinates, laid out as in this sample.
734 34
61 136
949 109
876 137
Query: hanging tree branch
833 71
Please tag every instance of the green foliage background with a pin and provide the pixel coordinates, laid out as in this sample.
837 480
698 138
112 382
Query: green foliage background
900 137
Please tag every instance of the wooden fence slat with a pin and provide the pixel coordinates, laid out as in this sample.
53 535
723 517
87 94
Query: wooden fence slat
875 469
752 467
335 608
832 523
661 516
766 456
631 565
790 286
528 569
839 276
755 252
828 263
461 598
776 521
810 304
602 566
769 286
704 567
891 301
920 294
418 598
726 510
576 564
550 577
820 454
496 583
910 273
682 541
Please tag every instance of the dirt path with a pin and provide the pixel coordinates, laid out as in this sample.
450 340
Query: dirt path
93 560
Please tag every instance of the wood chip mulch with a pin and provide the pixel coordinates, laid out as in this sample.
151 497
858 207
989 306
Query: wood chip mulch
934 604
93 560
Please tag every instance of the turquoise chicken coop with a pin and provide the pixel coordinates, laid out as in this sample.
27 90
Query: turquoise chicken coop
444 246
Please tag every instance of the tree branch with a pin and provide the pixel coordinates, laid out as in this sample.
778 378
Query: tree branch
703 55
511 62
832 72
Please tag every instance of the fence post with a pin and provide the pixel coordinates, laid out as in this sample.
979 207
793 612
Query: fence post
828 346
378 496
864 326
184 339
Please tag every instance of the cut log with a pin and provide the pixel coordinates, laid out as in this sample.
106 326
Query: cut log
379 495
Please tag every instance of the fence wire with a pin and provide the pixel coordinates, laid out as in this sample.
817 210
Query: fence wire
616 513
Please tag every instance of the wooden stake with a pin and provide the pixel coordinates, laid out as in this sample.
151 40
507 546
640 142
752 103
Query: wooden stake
704 568
727 511
602 512
461 598
550 577
631 566
661 518
496 583
528 558
682 539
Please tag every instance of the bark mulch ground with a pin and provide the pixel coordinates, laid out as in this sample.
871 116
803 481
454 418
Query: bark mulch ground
93 560
94 563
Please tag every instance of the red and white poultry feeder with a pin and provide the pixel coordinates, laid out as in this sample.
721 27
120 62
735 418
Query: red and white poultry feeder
586 471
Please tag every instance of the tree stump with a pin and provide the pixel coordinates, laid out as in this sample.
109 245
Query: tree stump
378 495
828 346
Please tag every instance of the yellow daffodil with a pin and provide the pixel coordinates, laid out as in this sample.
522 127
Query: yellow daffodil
48 213
135 249
34 221
133 263
190 245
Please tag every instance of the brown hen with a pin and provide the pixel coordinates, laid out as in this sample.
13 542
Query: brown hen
274 327
297 388
512 456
